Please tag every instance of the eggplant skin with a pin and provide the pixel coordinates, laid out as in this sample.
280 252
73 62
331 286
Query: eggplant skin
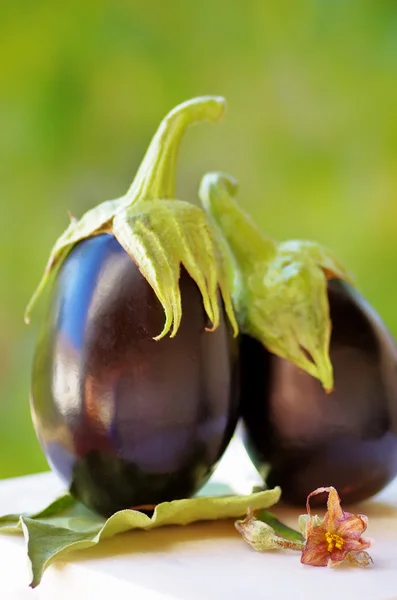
123 419
301 438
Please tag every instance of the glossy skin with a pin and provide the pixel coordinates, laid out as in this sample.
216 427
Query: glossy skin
303 438
123 419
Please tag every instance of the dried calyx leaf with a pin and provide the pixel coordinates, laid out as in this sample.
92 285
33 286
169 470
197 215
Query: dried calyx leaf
280 528
262 536
279 289
158 232
66 525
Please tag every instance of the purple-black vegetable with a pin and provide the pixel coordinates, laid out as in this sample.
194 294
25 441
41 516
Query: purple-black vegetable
126 420
319 368
301 438
134 385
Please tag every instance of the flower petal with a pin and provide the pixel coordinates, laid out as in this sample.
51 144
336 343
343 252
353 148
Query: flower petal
316 552
352 545
315 556
334 563
334 511
352 526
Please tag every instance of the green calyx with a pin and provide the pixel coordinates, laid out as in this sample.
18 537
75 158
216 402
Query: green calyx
279 289
157 231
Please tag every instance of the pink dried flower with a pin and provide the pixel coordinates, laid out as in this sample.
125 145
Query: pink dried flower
335 538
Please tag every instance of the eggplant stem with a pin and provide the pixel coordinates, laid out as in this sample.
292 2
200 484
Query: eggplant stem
155 178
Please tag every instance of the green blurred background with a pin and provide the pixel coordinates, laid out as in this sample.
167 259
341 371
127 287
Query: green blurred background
310 133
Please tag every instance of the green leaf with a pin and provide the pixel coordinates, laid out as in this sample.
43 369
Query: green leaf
279 289
280 528
9 523
67 525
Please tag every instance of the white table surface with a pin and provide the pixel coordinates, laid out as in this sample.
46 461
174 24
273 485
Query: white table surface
203 561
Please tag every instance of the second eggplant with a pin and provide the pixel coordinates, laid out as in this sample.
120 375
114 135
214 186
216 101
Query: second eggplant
319 368
301 438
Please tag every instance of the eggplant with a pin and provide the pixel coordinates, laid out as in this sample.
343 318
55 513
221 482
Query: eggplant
318 366
300 437
123 419
134 393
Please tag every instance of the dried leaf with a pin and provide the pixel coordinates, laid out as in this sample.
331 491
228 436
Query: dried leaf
279 527
262 537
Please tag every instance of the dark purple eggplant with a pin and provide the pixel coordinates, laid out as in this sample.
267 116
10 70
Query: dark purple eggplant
134 391
301 438
319 368
123 419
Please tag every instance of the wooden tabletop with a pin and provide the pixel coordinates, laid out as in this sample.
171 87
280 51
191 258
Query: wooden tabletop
203 561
